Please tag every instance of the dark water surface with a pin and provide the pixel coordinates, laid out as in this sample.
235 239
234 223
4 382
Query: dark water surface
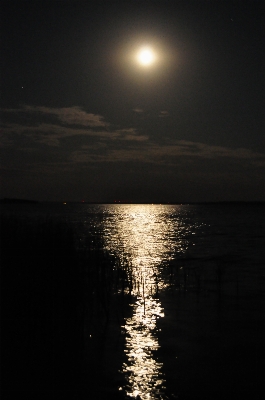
197 279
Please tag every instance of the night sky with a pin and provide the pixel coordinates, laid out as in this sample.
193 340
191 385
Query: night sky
81 119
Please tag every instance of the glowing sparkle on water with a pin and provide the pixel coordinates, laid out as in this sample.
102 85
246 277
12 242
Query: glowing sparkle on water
144 239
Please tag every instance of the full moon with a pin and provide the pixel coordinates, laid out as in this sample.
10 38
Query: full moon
146 56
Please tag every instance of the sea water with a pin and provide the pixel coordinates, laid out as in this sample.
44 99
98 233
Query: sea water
229 233
188 248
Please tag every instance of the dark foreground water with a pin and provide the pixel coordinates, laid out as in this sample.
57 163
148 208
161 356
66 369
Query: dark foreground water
196 275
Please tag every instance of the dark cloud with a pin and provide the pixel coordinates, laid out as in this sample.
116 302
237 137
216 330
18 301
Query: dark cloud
108 144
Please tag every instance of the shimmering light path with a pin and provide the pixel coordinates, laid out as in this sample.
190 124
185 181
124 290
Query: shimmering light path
146 238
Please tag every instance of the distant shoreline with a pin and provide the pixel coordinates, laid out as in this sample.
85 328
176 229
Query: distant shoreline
28 201
18 201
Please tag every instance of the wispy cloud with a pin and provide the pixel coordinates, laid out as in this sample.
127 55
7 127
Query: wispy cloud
198 149
86 137
50 126
49 134
168 154
66 115
138 110
131 134
163 114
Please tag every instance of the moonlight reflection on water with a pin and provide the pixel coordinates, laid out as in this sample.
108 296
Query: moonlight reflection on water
147 238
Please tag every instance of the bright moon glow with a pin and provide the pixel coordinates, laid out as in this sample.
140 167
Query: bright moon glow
146 56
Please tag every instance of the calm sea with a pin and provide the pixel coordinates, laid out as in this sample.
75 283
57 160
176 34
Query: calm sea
233 234
196 248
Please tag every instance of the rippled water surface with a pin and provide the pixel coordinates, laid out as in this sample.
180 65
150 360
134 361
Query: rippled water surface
150 238
146 237
223 240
